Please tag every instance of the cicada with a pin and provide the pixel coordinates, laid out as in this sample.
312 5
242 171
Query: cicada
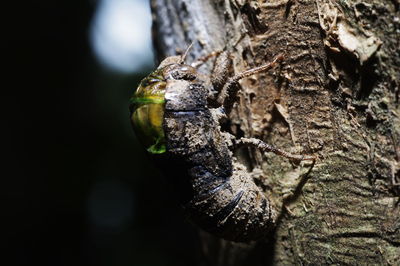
176 111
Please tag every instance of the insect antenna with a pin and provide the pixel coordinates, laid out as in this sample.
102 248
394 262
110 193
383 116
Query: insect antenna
183 57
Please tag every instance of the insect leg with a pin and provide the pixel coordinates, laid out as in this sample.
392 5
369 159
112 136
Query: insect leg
220 71
269 148
230 89
219 74
200 61
218 78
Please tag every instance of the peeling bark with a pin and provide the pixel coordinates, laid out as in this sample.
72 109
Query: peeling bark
336 95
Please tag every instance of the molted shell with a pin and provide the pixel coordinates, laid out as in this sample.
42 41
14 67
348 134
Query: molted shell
169 113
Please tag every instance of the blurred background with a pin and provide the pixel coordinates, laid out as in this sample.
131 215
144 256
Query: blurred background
80 189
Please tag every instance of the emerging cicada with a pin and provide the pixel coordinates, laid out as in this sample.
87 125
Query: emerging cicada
147 107
171 114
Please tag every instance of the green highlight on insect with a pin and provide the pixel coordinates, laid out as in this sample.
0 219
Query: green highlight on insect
147 112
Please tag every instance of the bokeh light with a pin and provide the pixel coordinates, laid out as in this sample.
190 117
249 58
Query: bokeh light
121 36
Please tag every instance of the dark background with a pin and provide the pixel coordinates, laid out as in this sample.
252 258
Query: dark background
79 189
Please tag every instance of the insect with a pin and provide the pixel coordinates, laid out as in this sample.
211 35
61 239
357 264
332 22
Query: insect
176 111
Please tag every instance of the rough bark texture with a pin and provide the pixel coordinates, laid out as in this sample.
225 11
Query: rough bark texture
336 95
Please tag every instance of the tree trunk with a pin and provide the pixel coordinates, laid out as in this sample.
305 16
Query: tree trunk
335 95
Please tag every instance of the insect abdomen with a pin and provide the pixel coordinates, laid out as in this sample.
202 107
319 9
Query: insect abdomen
193 136
232 207
225 201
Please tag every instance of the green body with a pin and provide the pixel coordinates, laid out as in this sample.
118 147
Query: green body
147 112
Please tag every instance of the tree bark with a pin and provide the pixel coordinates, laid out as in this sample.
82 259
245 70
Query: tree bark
335 95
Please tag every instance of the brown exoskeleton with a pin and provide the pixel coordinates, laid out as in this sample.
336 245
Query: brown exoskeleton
176 112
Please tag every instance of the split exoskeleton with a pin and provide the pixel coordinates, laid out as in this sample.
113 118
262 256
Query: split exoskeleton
176 111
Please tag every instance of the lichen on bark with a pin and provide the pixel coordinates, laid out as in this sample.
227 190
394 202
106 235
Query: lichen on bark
335 95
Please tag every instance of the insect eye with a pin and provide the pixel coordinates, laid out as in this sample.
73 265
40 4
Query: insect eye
184 72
